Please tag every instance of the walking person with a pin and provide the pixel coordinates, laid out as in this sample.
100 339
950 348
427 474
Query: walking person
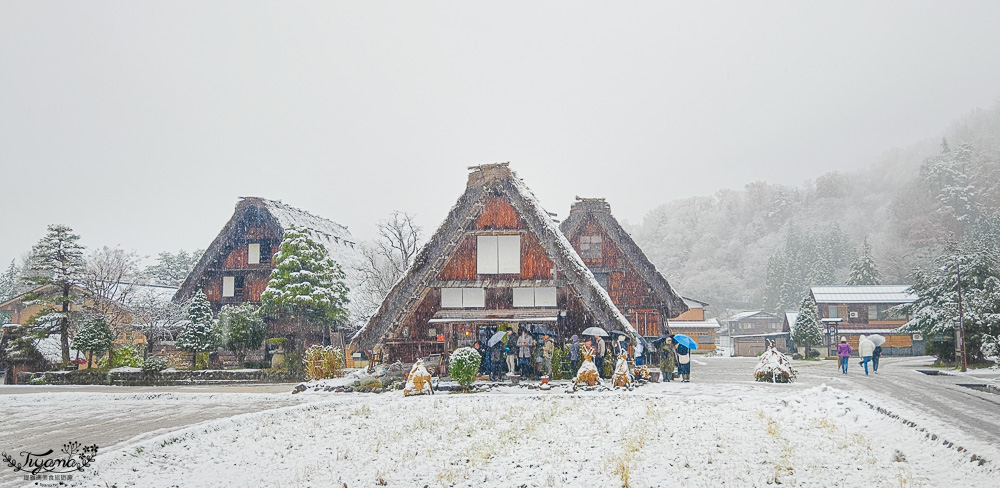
844 353
667 361
548 348
865 349
510 351
574 353
876 354
524 344
599 356
684 363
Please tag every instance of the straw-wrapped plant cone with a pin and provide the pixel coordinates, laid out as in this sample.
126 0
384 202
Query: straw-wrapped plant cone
774 367
418 382
642 372
588 370
622 376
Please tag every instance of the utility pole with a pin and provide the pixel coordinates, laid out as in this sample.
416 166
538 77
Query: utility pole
960 332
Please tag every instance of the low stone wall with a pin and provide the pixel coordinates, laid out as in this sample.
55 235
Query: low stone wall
162 378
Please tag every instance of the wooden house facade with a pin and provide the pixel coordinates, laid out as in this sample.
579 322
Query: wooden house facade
498 262
866 310
694 324
749 332
236 266
639 291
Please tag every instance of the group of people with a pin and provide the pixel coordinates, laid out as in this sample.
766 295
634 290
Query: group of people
869 352
522 355
675 357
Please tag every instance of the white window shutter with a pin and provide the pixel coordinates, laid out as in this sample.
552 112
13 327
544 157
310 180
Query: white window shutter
473 297
486 254
524 297
253 253
545 297
509 254
451 298
228 286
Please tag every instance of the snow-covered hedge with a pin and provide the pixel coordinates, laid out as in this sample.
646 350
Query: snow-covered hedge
464 365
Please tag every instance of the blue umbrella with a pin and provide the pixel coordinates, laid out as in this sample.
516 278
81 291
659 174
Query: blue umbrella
685 341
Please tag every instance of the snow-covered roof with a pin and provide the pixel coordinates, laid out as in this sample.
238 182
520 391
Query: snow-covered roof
51 349
694 324
692 303
791 317
160 293
746 315
882 330
863 294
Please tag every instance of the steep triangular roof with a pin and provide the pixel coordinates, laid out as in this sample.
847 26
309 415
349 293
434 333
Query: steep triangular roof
485 182
334 237
598 210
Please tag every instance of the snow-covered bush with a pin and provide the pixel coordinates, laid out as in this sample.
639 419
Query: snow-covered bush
323 362
154 363
774 367
464 365
558 357
127 356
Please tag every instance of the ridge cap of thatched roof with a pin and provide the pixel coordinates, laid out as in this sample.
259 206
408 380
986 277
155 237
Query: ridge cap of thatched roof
485 180
600 211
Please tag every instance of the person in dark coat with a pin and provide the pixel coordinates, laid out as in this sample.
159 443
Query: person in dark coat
877 353
574 353
484 357
684 363
667 360
497 361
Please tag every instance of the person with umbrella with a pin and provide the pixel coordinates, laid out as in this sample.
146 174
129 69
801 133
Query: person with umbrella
599 355
667 361
865 349
876 354
683 362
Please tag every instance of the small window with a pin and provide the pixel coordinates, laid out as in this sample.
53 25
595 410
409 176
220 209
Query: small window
873 313
463 298
535 297
228 286
238 285
524 297
602 279
832 311
432 332
590 247
486 255
253 253
498 254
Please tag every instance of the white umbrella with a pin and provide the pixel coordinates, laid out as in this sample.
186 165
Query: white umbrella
595 331
877 339
497 337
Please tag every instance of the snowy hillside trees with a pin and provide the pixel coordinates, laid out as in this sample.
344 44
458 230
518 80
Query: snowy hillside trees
807 330
198 335
306 286
171 269
8 288
863 268
57 260
808 258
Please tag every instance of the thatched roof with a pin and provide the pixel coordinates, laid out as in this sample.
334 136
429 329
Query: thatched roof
279 216
485 182
599 210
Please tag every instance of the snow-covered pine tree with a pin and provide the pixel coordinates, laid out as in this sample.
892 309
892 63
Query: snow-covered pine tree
198 335
242 329
863 269
172 269
8 288
306 285
95 337
57 260
807 330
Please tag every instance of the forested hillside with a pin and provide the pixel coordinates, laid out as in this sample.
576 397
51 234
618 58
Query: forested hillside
761 247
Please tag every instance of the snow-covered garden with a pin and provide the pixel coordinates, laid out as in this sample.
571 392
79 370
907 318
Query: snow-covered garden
665 434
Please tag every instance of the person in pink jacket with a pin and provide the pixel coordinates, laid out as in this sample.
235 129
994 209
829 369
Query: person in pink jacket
844 352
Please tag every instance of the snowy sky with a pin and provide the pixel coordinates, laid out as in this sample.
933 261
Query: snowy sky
139 124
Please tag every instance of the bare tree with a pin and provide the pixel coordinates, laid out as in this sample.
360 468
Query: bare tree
155 315
110 274
387 259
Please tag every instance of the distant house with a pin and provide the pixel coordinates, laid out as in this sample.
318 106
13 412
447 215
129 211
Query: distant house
866 310
693 323
237 264
749 332
619 265
497 262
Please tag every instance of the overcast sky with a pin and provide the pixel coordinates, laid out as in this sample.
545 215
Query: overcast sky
139 124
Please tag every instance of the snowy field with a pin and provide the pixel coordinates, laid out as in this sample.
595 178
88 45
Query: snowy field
675 434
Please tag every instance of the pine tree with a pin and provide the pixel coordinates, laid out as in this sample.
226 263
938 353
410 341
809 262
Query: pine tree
95 337
306 285
172 269
863 269
8 288
57 260
807 330
241 328
198 335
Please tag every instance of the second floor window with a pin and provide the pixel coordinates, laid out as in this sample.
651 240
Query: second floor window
498 254
590 247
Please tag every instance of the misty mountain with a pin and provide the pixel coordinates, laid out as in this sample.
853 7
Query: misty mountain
908 204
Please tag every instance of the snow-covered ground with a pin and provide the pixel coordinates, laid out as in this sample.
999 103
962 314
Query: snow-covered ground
658 435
